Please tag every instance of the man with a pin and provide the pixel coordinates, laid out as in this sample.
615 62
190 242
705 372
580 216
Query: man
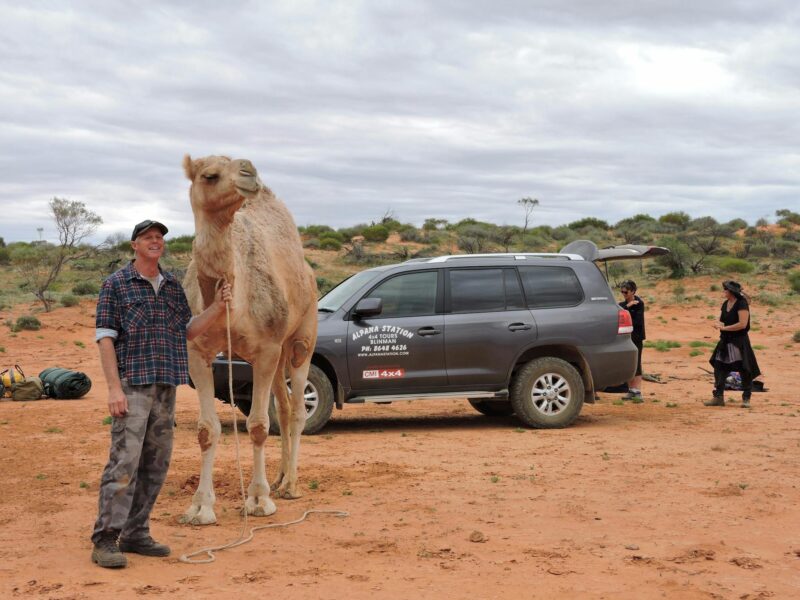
143 322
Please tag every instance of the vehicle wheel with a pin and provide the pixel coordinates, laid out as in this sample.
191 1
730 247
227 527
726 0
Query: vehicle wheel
547 393
318 400
493 408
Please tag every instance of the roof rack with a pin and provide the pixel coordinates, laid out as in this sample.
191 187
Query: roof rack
514 255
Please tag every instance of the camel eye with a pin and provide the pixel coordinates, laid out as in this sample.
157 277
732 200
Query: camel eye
211 176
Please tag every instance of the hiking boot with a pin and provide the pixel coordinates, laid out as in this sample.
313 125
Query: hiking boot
746 400
106 552
146 546
717 399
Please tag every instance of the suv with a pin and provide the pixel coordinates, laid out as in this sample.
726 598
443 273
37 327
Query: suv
532 335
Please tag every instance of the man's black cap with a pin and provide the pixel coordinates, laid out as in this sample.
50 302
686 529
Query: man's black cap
145 225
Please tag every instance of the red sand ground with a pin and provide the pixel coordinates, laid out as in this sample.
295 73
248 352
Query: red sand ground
662 499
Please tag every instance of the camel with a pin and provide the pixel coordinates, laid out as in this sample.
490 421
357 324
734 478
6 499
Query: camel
246 236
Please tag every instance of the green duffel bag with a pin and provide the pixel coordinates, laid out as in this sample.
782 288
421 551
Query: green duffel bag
64 384
30 389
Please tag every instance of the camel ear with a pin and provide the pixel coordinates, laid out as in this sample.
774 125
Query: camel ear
188 167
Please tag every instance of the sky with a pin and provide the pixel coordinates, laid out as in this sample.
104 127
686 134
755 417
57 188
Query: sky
352 110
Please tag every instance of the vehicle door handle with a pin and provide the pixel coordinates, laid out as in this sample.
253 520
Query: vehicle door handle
519 327
423 331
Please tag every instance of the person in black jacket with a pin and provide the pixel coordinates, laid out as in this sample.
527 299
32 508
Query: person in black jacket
634 305
733 352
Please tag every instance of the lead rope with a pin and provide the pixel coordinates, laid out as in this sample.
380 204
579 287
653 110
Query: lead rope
187 558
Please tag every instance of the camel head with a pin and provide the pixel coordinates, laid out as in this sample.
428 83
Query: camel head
220 185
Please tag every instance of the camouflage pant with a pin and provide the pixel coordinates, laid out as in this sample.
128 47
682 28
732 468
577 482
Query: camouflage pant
141 446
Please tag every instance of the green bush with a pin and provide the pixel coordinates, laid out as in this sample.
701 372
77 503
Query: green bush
28 322
5 256
86 288
729 264
662 345
328 243
794 281
180 244
69 300
759 250
312 243
376 233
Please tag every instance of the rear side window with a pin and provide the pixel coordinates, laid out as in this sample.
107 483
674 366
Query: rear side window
477 290
411 294
549 287
484 290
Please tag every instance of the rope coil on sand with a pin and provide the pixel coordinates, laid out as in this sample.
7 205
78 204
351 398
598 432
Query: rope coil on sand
242 539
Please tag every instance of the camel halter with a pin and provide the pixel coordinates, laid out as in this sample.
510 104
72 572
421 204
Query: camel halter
242 539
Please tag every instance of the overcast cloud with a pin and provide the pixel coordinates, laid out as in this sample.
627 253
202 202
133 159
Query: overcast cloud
446 109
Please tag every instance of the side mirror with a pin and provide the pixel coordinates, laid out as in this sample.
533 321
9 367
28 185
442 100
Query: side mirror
368 307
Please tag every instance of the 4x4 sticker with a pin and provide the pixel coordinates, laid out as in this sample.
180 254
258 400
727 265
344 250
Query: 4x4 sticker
383 340
383 373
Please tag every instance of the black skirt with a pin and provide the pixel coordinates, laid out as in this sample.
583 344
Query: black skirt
735 354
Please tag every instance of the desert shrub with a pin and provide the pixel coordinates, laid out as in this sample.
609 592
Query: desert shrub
662 345
375 233
312 243
734 265
589 222
86 288
759 250
5 256
324 285
180 244
714 287
679 292
317 230
784 248
69 300
769 299
27 322
564 234
328 243
411 234
796 336
794 281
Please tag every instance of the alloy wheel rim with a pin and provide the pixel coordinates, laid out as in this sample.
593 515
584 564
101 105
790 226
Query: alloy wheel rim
551 394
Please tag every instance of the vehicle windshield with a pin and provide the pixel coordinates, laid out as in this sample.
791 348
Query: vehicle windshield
333 300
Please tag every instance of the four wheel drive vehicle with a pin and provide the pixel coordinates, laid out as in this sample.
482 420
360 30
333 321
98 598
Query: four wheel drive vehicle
527 334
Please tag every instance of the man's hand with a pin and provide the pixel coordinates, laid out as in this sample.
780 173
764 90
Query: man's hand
117 403
223 294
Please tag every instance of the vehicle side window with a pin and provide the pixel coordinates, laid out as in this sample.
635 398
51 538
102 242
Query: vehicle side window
411 294
477 290
549 287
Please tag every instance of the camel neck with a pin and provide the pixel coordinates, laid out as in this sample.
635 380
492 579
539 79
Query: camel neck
213 249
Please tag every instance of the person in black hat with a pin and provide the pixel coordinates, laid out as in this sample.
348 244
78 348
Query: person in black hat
733 352
635 306
143 321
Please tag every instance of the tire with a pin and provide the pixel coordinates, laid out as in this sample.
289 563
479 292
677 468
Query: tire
547 393
493 408
319 403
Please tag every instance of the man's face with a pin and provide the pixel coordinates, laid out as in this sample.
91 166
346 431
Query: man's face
149 244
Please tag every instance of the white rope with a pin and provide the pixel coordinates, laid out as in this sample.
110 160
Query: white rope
187 558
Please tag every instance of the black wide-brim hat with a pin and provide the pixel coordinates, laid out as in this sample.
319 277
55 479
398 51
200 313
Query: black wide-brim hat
145 225
733 287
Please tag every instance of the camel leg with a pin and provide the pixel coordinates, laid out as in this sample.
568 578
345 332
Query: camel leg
258 502
287 487
201 511
283 410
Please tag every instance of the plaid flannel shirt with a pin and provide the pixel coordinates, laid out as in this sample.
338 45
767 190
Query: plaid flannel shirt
151 340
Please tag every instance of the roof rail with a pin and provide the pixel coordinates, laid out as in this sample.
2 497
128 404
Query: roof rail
514 255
